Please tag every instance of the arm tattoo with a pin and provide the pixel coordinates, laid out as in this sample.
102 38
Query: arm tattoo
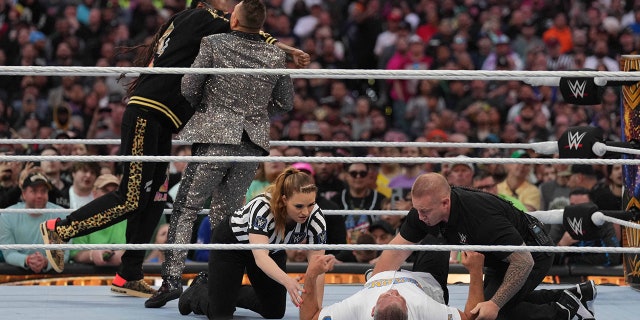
520 265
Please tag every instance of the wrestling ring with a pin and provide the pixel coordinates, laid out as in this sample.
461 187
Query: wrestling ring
83 291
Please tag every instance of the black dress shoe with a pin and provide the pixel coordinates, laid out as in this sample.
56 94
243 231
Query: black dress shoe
171 289
184 304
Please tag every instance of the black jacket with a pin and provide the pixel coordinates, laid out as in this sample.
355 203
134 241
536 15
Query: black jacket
180 42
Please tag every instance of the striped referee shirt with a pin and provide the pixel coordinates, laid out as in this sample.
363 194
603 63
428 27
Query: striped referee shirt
256 217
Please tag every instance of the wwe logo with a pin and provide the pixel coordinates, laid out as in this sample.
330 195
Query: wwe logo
463 238
577 88
576 225
575 139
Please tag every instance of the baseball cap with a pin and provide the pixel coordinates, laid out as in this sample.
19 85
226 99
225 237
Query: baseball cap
310 127
437 133
34 179
35 36
467 164
381 224
520 153
105 180
501 39
304 167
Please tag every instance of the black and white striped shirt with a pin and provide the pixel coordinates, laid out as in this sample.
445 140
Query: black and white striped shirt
256 217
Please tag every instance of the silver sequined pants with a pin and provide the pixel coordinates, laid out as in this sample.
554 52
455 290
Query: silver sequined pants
225 182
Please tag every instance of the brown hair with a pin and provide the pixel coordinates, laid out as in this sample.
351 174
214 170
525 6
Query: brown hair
253 14
144 56
88 166
287 183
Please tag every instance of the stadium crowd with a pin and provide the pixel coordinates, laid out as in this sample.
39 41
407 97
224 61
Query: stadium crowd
339 34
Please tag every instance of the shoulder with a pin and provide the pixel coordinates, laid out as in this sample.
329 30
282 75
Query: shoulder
53 206
19 205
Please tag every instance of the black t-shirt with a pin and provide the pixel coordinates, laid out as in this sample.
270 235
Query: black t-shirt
477 218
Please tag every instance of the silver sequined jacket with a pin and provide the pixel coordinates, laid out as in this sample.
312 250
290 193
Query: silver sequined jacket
229 104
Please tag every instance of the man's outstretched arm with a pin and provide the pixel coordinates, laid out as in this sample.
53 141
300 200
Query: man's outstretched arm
318 265
474 262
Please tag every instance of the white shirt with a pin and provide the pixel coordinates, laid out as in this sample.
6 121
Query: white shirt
419 290
76 201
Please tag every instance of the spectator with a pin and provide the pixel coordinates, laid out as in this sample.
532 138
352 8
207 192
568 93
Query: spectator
606 237
114 234
484 181
22 228
382 232
157 255
267 172
561 31
326 177
53 172
81 190
358 195
517 185
359 256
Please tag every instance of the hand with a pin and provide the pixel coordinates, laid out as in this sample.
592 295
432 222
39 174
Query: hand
36 262
97 257
566 240
472 260
320 264
300 58
295 290
486 310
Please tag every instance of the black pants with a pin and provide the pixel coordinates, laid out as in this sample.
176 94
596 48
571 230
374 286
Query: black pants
528 303
264 296
137 198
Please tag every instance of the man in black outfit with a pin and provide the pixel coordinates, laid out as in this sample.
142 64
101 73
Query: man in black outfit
156 110
471 217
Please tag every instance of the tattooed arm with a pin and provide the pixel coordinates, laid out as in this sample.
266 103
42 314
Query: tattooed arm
520 265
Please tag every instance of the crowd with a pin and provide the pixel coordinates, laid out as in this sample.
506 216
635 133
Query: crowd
363 34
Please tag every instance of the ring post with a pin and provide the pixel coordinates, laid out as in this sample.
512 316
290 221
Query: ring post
631 197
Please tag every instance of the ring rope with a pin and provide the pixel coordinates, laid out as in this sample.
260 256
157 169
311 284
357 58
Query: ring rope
280 143
243 246
419 160
206 211
627 224
602 217
550 76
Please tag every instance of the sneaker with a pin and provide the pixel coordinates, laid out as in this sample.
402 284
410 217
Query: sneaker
568 301
587 293
184 304
137 288
170 289
50 236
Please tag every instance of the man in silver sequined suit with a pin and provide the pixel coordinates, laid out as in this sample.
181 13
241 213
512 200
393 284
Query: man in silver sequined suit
232 119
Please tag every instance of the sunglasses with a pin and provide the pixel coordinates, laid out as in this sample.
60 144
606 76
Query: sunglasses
361 174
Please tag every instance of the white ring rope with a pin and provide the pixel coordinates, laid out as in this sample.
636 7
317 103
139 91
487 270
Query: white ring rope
546 217
243 246
547 147
419 160
286 143
542 77
206 211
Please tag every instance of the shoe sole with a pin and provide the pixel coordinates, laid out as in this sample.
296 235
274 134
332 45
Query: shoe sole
45 238
130 292
161 302
590 303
